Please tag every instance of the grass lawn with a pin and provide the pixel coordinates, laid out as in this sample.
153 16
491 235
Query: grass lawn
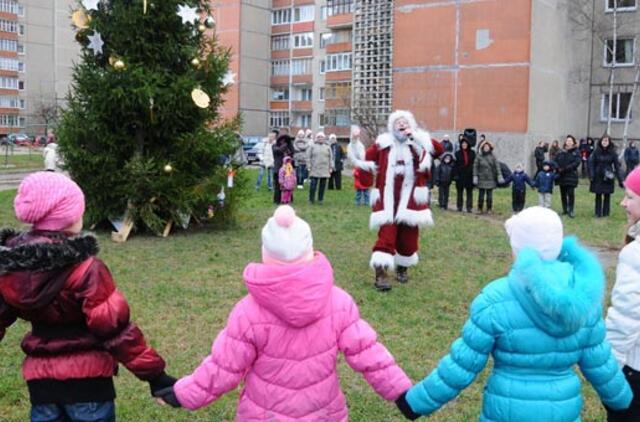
182 288
17 162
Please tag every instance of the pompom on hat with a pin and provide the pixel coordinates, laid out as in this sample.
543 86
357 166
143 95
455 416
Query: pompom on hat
49 201
632 182
538 228
286 238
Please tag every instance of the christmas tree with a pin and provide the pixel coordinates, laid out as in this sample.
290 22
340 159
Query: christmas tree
141 133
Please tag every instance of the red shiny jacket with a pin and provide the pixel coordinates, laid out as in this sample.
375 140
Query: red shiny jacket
80 321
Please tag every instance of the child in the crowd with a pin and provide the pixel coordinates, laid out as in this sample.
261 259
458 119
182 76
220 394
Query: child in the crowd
538 322
287 179
355 153
443 179
544 183
51 277
519 180
623 317
282 340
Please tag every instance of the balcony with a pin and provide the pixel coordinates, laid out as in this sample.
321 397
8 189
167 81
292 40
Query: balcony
339 131
340 75
340 14
279 105
301 106
341 47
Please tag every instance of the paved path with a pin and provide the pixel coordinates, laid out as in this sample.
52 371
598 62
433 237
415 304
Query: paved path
10 179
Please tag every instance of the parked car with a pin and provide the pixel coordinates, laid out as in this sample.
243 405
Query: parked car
19 138
250 147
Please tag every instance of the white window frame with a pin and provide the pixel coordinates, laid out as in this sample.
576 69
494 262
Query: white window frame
279 119
22 49
305 13
22 67
618 45
339 62
303 40
321 93
280 42
21 85
21 29
7 82
8 45
323 66
608 9
22 103
604 109
304 120
301 67
280 68
281 16
284 91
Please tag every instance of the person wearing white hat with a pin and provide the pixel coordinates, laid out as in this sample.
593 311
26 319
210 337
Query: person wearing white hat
538 323
400 161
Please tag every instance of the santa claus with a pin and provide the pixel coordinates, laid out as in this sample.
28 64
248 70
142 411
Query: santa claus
398 167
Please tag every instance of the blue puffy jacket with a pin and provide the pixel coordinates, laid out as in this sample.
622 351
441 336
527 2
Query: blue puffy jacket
537 323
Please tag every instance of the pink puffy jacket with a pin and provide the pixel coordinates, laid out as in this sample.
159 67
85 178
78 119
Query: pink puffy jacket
283 339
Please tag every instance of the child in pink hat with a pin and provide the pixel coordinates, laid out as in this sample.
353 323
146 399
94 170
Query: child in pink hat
51 277
282 339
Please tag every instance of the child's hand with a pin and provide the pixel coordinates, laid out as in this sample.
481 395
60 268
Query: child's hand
168 396
405 408
160 383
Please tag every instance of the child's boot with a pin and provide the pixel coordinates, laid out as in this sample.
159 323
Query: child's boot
402 274
382 280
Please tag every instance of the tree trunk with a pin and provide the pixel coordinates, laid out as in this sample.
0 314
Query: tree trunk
613 64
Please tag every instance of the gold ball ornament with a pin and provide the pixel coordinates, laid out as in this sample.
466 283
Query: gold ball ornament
202 27
119 65
80 19
209 22
200 98
168 168
195 62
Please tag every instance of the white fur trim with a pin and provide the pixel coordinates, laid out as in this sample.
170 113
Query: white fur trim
379 218
382 259
404 114
385 140
407 261
375 196
368 166
421 195
415 218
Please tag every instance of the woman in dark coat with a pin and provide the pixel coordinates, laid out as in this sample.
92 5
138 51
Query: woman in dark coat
568 161
538 153
463 174
604 169
282 148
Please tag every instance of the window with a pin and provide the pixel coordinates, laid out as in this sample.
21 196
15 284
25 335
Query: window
21 49
301 67
21 85
8 45
324 12
623 5
618 107
7 101
8 26
279 119
10 6
338 91
280 16
624 52
337 62
339 118
303 94
9 64
21 67
23 103
323 66
303 13
335 37
303 40
8 83
280 42
304 120
280 94
321 94
21 29
279 67
10 120
340 7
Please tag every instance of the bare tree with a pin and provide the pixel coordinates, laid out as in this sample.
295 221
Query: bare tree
48 113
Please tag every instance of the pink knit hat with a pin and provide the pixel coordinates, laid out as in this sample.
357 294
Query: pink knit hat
49 201
633 181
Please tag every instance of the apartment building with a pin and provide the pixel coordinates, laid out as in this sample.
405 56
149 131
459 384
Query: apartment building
11 67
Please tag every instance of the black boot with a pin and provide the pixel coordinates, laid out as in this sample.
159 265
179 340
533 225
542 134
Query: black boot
382 280
401 274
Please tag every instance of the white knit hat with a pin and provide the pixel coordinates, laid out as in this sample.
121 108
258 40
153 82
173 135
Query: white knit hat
286 238
538 228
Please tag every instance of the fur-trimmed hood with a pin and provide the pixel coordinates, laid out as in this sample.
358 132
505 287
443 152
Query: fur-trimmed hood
559 296
34 265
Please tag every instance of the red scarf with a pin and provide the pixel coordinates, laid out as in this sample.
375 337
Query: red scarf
465 157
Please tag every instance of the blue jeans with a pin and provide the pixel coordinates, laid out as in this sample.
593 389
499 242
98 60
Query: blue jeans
301 173
76 412
261 173
362 196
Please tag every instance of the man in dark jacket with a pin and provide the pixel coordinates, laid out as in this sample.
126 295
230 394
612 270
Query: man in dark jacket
463 174
80 327
631 156
538 153
337 154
